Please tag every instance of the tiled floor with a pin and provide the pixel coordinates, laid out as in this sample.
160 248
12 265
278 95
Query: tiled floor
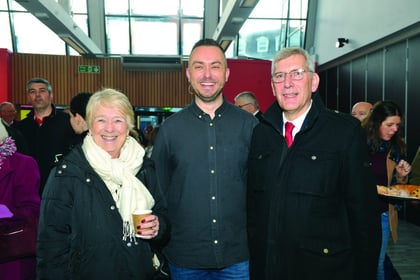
405 254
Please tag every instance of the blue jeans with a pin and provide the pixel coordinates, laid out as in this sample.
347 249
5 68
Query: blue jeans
239 271
385 238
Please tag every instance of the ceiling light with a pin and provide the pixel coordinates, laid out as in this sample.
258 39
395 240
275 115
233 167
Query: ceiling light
225 43
72 43
341 42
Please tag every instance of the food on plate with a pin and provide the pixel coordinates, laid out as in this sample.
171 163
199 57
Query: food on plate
382 189
415 193
405 191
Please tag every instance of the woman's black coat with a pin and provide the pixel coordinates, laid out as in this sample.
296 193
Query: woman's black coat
80 231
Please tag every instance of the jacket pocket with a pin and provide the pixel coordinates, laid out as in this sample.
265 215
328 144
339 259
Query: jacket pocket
320 173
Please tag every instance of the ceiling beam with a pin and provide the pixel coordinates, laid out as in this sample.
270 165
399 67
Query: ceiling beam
234 14
55 17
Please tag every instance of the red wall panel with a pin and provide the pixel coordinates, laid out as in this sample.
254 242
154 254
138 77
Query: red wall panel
5 76
250 75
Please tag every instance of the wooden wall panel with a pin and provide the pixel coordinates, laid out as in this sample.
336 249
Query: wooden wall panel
155 89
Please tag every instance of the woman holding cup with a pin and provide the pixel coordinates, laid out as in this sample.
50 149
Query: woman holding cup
86 228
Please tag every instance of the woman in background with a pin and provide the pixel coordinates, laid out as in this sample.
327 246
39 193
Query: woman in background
19 210
86 229
387 152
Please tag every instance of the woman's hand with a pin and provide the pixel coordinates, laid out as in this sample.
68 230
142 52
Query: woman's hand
149 227
403 168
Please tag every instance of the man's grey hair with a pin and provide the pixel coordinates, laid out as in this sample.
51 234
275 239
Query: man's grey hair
287 52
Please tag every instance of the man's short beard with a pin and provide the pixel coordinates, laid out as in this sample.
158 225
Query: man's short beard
207 99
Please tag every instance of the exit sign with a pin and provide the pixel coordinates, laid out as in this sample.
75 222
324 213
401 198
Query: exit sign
89 69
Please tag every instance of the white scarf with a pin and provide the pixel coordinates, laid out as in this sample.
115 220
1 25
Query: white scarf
119 175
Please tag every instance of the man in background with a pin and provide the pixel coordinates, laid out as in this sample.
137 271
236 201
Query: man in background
46 130
360 110
8 113
246 100
7 117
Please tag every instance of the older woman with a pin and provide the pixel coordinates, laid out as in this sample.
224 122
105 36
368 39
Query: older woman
86 229
19 210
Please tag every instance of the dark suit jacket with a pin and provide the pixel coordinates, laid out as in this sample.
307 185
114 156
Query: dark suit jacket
258 115
312 209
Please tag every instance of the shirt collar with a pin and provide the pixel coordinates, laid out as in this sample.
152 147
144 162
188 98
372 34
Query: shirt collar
297 122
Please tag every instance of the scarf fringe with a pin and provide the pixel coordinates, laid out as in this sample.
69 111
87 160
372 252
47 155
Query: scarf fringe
129 232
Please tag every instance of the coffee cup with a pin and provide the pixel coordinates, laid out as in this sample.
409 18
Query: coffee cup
138 216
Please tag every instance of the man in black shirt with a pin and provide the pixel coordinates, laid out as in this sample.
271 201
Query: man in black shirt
47 130
201 157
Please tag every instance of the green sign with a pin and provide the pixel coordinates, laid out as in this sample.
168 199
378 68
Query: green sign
89 69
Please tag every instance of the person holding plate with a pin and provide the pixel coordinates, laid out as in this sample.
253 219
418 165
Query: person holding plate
387 153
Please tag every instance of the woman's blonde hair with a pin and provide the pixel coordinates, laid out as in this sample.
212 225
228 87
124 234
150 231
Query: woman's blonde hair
111 98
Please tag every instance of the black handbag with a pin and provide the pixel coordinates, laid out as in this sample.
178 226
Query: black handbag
161 266
17 240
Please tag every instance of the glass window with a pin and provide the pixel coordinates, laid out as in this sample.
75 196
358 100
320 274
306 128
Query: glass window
269 9
298 9
269 28
28 38
192 31
154 7
192 8
273 24
113 7
82 22
118 37
296 33
258 38
154 37
79 6
17 7
5 38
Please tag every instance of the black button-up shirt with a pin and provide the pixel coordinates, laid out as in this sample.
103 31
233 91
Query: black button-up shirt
202 167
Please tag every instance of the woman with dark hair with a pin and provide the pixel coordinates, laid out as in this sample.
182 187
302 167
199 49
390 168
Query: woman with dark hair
387 153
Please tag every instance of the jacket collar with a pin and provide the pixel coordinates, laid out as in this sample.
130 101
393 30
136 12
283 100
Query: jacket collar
52 115
274 114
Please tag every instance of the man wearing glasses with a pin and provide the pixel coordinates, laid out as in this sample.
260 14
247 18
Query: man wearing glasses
312 203
246 100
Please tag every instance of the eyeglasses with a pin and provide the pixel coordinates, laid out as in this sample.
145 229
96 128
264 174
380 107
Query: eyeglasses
243 105
295 75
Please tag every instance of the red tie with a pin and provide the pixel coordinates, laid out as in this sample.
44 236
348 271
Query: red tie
288 135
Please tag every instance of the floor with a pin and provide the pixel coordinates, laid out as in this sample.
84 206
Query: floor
405 254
